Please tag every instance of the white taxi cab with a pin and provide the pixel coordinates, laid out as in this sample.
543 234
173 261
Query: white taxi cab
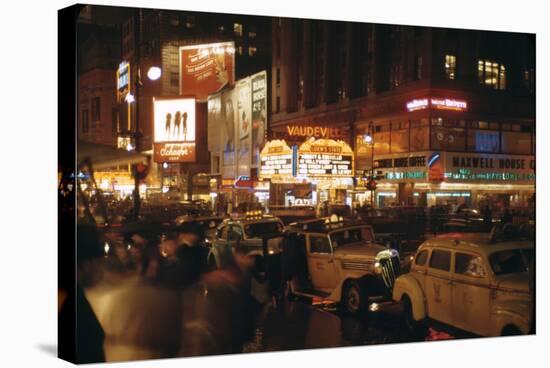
471 284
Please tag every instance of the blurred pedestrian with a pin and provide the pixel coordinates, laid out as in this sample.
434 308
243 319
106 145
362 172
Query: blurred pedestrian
191 252
88 346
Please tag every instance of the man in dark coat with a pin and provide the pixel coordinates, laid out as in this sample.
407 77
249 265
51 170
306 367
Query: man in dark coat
191 253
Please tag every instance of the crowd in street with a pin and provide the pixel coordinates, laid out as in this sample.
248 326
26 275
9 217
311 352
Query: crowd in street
142 294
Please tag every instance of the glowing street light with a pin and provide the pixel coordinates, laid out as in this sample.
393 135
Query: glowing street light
367 138
154 73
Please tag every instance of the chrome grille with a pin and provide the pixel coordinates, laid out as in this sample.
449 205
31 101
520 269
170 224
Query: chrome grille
357 266
390 270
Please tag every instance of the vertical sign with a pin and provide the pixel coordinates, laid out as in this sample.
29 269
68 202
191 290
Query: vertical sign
259 114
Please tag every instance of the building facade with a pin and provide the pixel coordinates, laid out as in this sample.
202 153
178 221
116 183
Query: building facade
436 116
151 37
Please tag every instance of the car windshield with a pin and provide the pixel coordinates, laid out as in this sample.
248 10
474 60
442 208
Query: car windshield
262 228
511 261
349 236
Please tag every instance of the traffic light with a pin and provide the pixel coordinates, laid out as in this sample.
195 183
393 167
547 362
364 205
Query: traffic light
371 184
140 171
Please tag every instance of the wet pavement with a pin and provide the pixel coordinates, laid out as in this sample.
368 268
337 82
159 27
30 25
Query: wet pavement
301 325
137 316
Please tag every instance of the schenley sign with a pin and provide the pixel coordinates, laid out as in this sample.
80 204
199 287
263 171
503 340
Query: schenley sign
174 152
492 163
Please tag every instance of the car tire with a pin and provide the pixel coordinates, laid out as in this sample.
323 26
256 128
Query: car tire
410 323
510 330
354 298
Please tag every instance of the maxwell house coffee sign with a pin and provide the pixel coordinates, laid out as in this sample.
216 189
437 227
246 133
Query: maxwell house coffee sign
206 68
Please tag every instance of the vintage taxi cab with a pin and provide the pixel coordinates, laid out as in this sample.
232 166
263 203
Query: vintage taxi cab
338 261
469 283
246 232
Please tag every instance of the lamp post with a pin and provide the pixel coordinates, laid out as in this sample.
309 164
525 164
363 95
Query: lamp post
369 139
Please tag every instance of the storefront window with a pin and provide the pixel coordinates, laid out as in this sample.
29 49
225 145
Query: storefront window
516 138
399 136
420 135
448 134
483 136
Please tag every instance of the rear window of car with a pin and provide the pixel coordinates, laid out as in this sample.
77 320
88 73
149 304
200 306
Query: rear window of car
262 228
441 260
509 261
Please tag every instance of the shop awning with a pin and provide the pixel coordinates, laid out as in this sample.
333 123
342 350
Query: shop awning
103 156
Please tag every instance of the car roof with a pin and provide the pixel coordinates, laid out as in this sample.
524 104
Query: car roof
252 220
320 225
477 243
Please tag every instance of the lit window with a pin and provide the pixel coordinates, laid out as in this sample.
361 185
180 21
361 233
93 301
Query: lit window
252 50
450 66
240 50
251 34
491 74
238 29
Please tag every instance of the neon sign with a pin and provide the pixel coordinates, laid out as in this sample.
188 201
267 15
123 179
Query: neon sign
437 103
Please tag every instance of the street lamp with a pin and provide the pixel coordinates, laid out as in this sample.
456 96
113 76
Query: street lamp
154 73
369 139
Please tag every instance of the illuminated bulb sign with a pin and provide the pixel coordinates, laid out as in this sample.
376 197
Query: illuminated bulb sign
123 79
437 103
325 157
276 159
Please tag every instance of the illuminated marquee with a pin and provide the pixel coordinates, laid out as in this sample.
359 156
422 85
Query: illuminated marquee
324 157
276 159
437 103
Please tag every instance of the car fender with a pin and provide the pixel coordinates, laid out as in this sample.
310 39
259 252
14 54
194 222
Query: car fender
408 285
511 312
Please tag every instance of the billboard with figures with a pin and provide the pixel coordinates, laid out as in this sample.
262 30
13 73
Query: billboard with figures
244 126
206 68
228 133
174 123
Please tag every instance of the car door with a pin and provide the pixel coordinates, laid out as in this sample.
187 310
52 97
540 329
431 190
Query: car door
438 286
471 293
221 248
320 263
420 266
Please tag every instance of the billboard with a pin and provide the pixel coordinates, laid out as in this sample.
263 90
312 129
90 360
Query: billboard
228 133
206 68
174 123
215 122
244 126
259 114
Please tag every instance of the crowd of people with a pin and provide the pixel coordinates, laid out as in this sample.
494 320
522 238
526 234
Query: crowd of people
144 292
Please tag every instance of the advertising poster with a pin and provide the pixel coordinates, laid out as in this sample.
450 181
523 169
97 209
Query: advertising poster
244 126
259 114
215 122
206 68
174 123
228 133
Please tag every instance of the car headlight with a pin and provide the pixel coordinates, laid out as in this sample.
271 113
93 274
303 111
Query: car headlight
377 268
